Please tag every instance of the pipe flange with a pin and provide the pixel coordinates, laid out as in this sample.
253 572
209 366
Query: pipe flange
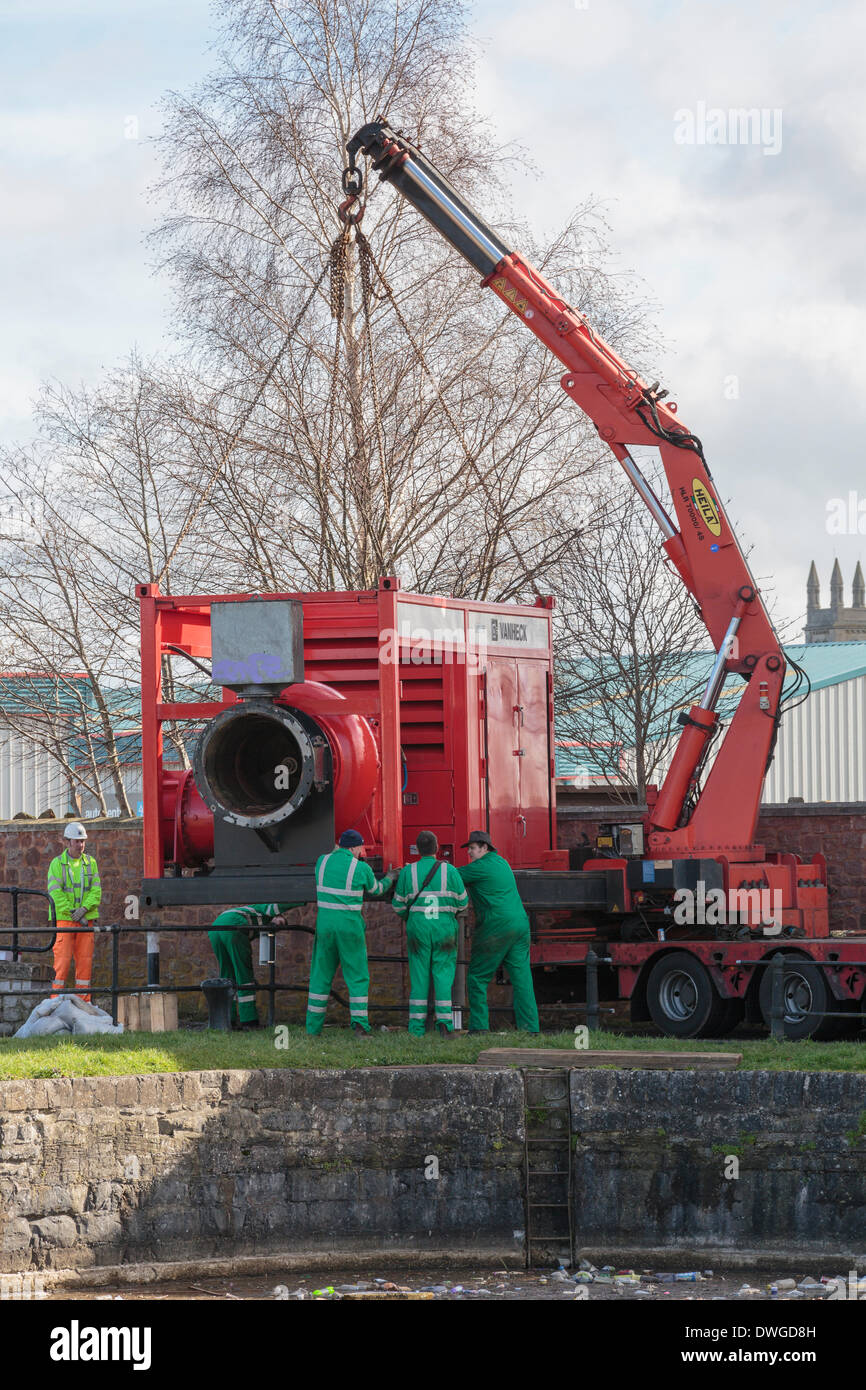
256 763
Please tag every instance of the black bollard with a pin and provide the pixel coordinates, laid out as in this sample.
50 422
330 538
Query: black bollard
218 994
592 1012
777 998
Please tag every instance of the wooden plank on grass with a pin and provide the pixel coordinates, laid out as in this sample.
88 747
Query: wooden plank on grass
580 1057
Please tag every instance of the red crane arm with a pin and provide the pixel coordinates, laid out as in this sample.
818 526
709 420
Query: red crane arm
698 540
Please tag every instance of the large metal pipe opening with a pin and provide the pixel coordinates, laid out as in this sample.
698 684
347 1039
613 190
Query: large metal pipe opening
257 762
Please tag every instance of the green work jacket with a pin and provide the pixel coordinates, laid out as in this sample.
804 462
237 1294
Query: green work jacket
494 894
341 882
442 898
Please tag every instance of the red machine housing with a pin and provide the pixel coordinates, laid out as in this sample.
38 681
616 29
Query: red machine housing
438 714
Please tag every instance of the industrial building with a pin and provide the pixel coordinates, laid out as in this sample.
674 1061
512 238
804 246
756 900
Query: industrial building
821 751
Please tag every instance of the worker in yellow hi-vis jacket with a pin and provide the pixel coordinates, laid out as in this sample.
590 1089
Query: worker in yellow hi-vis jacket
75 889
429 895
342 878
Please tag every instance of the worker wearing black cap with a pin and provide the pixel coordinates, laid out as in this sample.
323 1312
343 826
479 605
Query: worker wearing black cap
501 935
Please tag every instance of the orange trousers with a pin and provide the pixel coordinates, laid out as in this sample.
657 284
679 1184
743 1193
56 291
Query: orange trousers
77 945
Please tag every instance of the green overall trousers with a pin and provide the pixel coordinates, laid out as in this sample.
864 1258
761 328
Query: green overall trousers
431 935
501 937
341 881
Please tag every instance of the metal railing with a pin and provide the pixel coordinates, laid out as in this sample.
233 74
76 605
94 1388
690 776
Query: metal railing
16 929
592 1008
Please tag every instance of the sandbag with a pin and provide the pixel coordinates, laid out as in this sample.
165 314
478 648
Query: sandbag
66 1013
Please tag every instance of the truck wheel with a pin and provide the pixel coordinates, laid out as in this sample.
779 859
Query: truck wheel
682 998
733 1011
806 996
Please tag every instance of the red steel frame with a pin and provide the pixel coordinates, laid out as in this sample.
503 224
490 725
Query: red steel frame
183 622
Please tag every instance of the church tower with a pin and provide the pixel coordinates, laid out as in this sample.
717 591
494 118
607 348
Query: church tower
836 623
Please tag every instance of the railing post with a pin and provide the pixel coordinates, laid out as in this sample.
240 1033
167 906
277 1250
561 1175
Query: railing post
268 956
777 1002
592 1018
115 957
459 995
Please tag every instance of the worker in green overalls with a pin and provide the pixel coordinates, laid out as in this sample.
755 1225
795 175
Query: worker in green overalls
231 938
501 935
342 878
429 895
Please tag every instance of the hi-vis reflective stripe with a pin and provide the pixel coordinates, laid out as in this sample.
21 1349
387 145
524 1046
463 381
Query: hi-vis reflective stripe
83 886
316 1009
443 1003
358 998
348 890
418 1001
317 996
341 907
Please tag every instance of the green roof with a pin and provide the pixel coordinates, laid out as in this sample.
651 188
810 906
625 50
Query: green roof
825 663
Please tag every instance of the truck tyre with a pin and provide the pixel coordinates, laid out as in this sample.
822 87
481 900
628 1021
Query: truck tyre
682 999
733 1012
806 995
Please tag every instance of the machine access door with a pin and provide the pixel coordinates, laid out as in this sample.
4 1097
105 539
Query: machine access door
518 758
532 730
503 775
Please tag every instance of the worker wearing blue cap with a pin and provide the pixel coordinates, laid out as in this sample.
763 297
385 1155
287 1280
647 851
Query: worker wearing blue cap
342 878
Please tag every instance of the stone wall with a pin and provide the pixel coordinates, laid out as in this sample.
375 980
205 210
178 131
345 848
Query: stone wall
26 848
16 1005
651 1150
150 1176
98 1172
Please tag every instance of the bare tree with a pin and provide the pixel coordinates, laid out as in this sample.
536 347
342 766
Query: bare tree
447 453
629 642
111 492
423 432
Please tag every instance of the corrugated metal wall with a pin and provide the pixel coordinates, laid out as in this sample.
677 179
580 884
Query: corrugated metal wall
820 756
821 752
30 779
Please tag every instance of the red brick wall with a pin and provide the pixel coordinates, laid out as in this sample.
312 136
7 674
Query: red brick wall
26 849
837 830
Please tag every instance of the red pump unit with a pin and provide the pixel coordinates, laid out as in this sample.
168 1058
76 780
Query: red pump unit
413 713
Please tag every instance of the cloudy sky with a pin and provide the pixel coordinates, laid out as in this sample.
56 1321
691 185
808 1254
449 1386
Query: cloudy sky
753 249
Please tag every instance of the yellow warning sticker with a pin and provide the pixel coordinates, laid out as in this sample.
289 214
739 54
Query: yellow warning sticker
517 301
707 509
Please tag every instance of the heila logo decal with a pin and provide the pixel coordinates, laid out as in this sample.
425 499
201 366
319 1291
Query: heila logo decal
706 506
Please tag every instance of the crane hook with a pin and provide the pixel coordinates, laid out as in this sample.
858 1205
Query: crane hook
353 185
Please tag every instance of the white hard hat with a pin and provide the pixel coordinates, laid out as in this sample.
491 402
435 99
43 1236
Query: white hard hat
75 831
